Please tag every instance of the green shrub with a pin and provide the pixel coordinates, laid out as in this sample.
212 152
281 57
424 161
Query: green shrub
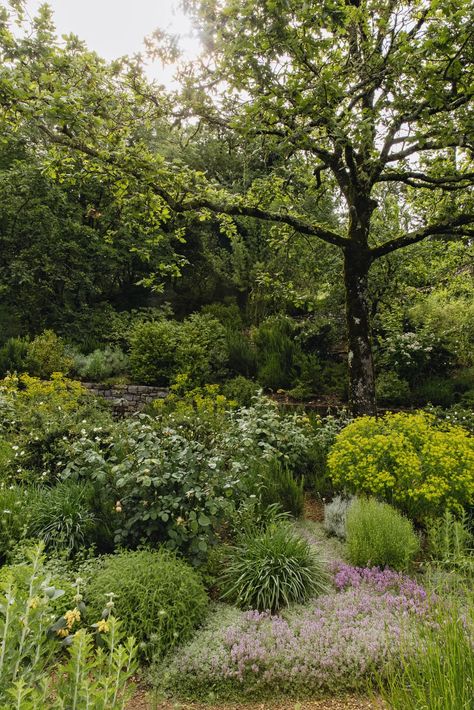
241 390
242 354
334 377
410 460
273 569
13 356
438 391
264 430
200 412
391 388
180 475
14 514
100 364
277 352
316 376
413 354
451 317
378 535
228 314
153 351
160 598
172 489
162 349
202 349
278 486
47 354
463 380
63 518
43 418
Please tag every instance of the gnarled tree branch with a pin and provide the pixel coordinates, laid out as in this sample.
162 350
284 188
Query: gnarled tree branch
453 226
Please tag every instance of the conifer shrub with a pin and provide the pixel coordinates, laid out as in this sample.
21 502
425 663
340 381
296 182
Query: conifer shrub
277 352
13 356
100 365
279 487
160 598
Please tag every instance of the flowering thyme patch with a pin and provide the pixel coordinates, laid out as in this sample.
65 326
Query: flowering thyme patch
333 644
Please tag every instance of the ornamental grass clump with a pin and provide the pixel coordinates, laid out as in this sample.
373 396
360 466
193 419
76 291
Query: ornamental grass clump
63 517
273 569
159 597
378 535
333 645
438 672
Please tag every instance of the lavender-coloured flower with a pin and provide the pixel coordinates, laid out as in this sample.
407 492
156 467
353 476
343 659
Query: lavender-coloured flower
333 644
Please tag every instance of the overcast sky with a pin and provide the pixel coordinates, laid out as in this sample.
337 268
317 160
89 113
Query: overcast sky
117 27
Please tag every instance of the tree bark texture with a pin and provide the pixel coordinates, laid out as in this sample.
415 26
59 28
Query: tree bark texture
360 361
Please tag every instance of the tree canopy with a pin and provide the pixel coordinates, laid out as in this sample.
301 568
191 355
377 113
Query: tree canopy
333 112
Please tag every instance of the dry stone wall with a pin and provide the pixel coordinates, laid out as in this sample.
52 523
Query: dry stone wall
126 399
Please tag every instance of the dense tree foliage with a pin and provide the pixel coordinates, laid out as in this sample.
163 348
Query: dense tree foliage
310 141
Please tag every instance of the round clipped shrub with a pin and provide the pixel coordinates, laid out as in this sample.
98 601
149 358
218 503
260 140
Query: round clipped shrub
380 536
273 569
159 598
418 464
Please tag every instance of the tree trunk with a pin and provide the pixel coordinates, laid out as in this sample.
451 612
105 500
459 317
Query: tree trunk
360 362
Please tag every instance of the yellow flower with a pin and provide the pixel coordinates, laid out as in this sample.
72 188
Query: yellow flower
103 626
71 617
34 602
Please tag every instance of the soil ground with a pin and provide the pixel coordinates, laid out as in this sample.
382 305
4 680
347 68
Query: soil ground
143 701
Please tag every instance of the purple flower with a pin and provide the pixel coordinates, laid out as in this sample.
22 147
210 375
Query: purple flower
333 644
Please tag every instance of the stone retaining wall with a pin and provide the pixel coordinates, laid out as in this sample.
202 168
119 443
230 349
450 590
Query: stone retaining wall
126 399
